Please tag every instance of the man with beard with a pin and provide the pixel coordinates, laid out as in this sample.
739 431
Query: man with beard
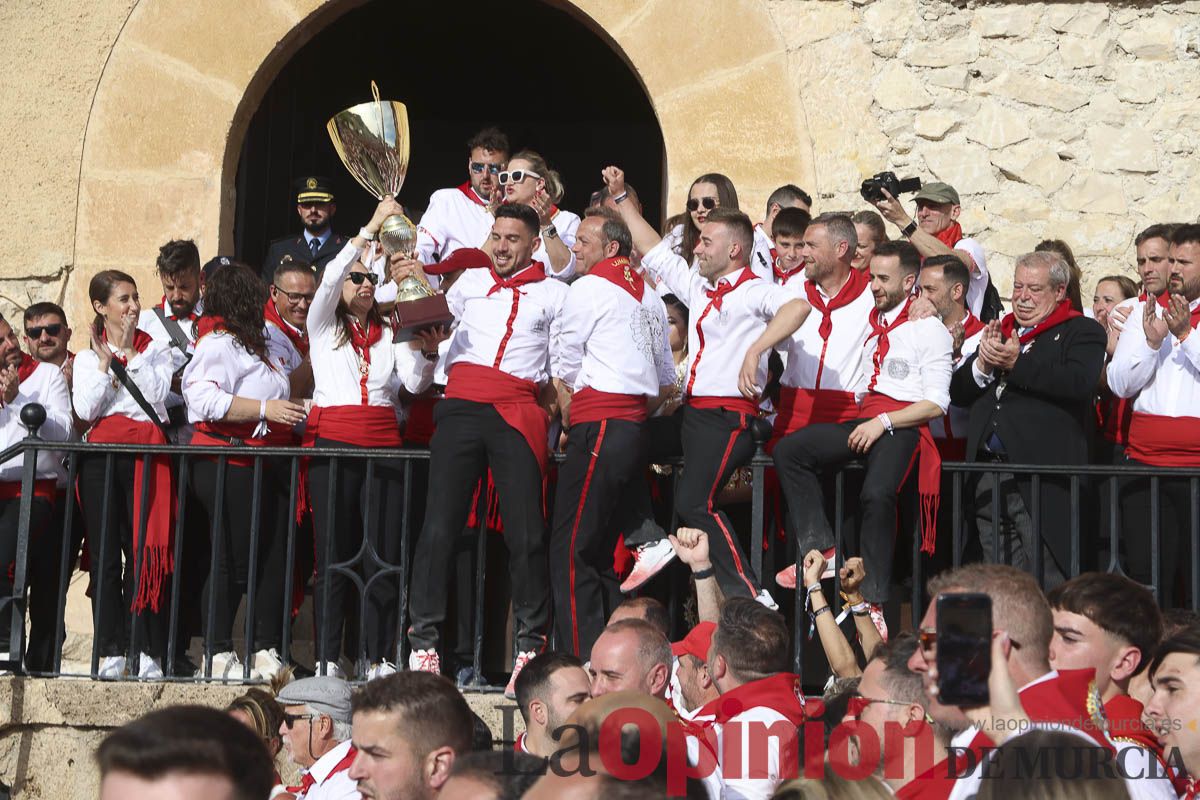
1152 247
905 384
549 690
317 244
172 321
47 336
408 730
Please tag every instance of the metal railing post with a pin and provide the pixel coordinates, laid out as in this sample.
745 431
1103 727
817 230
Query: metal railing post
33 416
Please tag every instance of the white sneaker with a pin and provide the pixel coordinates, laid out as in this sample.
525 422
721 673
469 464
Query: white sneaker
149 668
425 661
265 665
225 666
381 670
649 559
111 668
764 598
332 670
523 658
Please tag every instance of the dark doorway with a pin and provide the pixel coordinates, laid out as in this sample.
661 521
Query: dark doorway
545 79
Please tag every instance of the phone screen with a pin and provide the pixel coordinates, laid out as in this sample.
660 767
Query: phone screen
964 648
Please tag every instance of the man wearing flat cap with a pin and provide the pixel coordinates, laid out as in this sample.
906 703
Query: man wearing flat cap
316 732
317 244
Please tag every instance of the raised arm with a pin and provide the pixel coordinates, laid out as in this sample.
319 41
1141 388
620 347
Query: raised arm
644 235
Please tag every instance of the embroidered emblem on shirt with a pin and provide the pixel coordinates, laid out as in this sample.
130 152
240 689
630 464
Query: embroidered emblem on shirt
897 369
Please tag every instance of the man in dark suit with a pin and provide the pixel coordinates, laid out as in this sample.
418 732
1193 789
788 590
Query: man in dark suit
1030 388
317 243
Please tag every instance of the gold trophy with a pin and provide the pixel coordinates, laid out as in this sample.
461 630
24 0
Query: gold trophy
372 141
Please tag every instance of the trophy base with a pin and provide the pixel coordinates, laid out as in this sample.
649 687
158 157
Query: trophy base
410 317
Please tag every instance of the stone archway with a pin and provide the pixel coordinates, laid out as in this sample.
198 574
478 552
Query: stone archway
183 79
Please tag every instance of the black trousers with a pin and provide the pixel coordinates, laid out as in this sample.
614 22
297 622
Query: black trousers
1174 531
362 510
47 606
10 515
604 472
715 443
471 437
801 456
113 583
230 576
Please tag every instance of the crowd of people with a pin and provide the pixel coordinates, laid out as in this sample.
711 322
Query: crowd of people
1090 694
617 346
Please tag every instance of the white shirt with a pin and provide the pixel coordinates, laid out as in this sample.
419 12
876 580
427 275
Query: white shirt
222 369
336 370
611 342
674 240
47 386
917 364
761 261
566 224
507 330
99 394
1164 381
979 275
753 722
281 349
339 785
834 363
954 424
717 338
149 322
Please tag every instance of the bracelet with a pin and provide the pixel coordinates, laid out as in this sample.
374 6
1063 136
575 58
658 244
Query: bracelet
887 422
366 234
861 609
909 229
701 574
262 410
822 610
808 590
620 197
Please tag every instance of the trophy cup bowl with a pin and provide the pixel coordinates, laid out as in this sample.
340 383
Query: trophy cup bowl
372 141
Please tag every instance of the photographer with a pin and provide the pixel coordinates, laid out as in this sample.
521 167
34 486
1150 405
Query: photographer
936 231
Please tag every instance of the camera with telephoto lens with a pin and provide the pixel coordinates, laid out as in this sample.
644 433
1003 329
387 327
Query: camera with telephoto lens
873 187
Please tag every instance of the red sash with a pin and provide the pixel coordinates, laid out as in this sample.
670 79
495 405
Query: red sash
592 405
1162 441
157 558
619 272
360 426
1115 415
419 427
801 407
738 405
298 339
929 466
46 488
515 400
1061 313
218 434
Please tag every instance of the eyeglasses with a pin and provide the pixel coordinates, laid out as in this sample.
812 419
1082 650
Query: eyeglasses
291 719
357 278
709 203
516 176
858 704
36 332
927 641
479 166
296 298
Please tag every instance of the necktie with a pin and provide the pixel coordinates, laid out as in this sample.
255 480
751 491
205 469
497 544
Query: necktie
314 245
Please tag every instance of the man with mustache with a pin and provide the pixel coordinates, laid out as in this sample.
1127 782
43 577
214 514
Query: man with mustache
1030 388
317 244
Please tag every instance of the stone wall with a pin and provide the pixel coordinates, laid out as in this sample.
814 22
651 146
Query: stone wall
1071 120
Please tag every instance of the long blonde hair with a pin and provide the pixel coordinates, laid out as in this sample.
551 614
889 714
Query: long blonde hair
554 184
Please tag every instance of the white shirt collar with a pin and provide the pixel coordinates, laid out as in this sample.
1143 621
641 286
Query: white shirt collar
325 764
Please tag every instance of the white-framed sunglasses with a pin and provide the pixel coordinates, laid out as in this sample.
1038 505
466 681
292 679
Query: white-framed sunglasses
516 176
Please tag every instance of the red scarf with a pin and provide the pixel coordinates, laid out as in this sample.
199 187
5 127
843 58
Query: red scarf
141 340
950 235
782 693
619 272
1069 699
717 294
534 273
308 781
783 275
208 323
29 364
851 289
1061 313
466 189
362 341
882 331
299 339
1163 299
971 325
1125 724
167 309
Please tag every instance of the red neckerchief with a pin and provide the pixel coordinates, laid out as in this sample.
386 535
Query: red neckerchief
783 275
1058 316
207 324
471 195
882 331
971 325
532 274
362 341
190 317
950 235
26 367
1070 698
141 340
299 339
308 781
724 287
620 272
1125 724
779 693
849 292
1163 299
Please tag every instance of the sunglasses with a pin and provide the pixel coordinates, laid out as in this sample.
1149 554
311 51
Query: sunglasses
357 278
709 203
927 641
298 297
479 166
36 332
291 719
858 704
516 176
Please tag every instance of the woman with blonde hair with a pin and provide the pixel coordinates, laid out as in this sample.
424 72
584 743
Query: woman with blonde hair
832 786
528 179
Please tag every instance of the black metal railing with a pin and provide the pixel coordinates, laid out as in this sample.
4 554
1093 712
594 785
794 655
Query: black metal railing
769 553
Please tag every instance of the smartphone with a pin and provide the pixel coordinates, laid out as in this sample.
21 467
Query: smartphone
964 648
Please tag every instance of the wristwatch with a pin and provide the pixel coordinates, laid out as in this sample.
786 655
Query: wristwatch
550 232
909 229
